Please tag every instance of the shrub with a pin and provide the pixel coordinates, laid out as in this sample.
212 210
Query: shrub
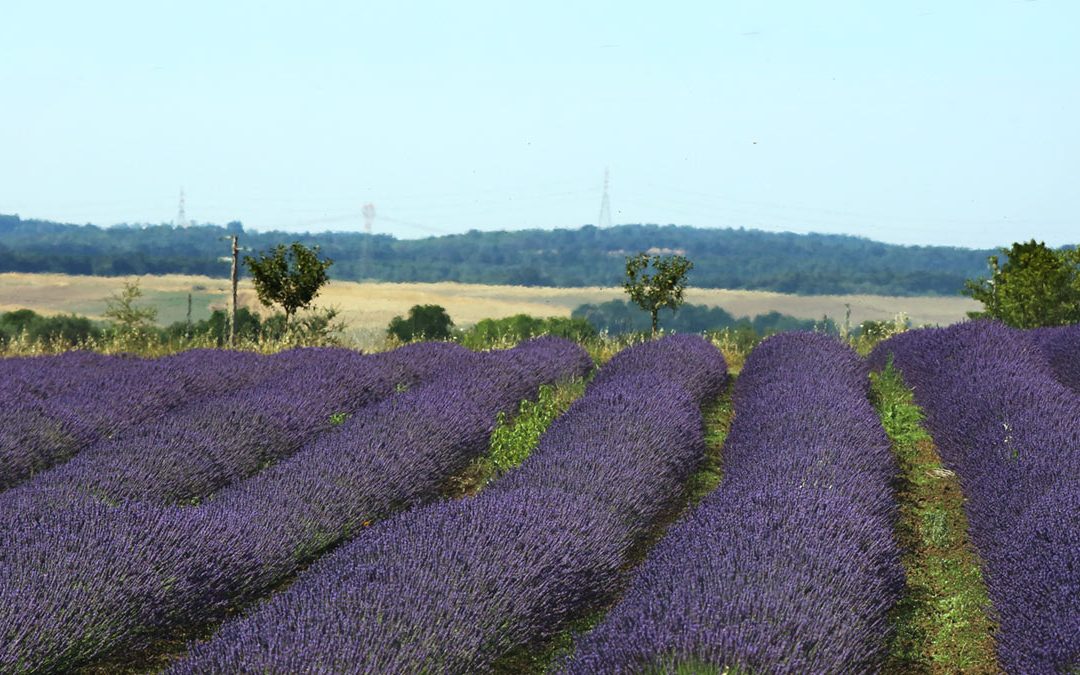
425 321
513 329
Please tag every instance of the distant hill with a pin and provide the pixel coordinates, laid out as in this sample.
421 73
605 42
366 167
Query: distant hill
588 256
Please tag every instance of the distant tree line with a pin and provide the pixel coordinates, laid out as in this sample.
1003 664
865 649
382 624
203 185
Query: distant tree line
621 316
588 256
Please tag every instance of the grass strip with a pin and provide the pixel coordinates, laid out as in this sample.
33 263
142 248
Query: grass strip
717 416
942 623
516 436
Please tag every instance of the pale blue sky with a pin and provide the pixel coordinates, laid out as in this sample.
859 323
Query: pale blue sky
947 122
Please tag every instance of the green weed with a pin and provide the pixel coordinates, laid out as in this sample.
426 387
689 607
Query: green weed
515 437
513 441
674 665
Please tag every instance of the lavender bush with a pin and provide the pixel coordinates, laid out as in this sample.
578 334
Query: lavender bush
59 405
456 586
42 376
89 578
1011 432
789 566
1060 346
196 449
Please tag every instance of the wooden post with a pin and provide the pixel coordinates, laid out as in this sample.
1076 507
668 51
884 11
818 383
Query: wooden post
994 272
187 333
235 273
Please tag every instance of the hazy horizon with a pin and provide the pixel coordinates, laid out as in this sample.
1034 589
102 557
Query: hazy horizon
911 124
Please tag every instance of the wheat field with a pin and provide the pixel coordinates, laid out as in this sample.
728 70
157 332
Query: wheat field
368 306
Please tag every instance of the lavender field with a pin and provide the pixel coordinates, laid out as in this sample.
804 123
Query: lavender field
228 512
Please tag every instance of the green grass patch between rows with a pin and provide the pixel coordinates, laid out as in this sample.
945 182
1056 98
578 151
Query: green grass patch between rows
516 436
943 622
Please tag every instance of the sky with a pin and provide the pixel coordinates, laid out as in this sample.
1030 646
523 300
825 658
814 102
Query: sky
917 122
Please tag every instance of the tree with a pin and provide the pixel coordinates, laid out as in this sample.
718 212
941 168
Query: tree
1037 286
121 310
290 276
662 288
430 322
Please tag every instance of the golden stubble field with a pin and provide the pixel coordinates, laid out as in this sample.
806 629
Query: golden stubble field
370 306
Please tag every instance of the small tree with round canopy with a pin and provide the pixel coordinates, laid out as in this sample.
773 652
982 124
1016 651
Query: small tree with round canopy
289 276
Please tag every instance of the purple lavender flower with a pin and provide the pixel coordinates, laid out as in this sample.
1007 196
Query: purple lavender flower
790 565
89 577
455 586
1011 432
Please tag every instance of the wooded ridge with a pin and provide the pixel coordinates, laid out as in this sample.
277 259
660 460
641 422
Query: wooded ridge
587 256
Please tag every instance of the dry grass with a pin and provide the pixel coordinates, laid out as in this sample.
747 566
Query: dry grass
368 306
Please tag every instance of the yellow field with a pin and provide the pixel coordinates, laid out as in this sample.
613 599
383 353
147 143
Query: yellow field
370 306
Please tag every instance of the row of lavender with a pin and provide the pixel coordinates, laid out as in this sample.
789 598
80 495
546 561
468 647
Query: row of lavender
790 565
87 579
459 585
195 449
1004 422
1060 347
53 406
